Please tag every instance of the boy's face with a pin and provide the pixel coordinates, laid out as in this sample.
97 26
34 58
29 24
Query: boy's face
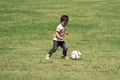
64 23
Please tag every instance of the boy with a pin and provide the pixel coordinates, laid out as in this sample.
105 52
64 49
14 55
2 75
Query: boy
59 38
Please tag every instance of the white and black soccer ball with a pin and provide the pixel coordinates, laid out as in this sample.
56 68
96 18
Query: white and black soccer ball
76 54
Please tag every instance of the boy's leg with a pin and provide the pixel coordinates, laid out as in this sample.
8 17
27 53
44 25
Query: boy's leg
55 46
64 47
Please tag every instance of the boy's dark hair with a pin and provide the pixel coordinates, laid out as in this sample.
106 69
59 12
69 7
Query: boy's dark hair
64 18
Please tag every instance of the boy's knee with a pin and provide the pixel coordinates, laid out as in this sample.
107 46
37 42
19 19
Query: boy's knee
54 49
66 49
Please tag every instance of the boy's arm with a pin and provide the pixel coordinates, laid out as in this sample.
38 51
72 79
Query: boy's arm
58 36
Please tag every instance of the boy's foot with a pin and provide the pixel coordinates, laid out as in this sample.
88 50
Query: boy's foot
47 57
65 57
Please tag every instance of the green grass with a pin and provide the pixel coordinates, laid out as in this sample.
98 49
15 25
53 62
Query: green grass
26 33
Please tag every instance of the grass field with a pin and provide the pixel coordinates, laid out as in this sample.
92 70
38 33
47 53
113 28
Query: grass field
26 33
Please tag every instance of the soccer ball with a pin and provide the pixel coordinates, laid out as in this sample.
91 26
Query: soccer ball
76 54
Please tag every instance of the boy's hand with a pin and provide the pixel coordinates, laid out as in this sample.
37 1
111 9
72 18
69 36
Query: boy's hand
66 33
61 38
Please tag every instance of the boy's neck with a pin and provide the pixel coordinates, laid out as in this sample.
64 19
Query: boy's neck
62 25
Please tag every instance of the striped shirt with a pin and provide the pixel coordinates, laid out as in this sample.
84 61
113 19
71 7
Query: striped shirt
61 31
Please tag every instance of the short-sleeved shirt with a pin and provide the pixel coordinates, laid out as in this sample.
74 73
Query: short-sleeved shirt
61 31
